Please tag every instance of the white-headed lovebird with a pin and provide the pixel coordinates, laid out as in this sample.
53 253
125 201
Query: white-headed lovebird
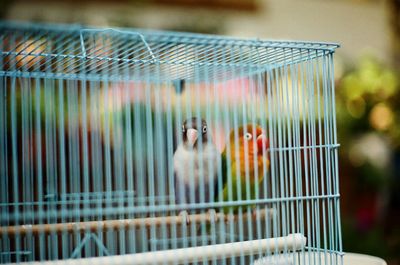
195 164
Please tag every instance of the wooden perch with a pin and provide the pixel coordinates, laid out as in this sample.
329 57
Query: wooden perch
292 242
94 226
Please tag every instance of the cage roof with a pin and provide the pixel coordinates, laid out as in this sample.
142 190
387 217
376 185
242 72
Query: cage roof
72 51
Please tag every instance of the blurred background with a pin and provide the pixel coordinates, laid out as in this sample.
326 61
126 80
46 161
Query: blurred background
367 82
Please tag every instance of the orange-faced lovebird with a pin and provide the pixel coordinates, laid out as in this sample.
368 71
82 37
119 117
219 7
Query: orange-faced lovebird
244 162
195 164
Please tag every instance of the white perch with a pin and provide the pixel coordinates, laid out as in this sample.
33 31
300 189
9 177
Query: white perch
291 242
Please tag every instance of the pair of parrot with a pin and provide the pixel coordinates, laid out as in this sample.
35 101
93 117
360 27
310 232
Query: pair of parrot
244 159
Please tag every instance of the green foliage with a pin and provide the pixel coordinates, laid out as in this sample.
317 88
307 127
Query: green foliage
367 99
363 242
368 123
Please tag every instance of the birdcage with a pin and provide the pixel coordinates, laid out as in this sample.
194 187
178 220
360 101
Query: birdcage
149 147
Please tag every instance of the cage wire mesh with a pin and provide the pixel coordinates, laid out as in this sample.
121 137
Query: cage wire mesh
145 147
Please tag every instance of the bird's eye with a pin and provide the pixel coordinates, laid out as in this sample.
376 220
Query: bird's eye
248 136
204 129
183 129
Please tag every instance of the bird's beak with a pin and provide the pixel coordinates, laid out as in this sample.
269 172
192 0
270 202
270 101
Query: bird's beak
192 136
262 143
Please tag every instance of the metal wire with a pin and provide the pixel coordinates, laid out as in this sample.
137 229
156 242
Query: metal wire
91 124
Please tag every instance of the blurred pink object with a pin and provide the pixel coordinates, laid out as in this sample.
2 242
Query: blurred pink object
226 93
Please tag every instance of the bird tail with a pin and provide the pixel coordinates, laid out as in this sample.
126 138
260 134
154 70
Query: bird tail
208 229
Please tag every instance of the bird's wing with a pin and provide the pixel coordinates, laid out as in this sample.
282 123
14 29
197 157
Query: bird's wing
220 185
224 167
178 200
